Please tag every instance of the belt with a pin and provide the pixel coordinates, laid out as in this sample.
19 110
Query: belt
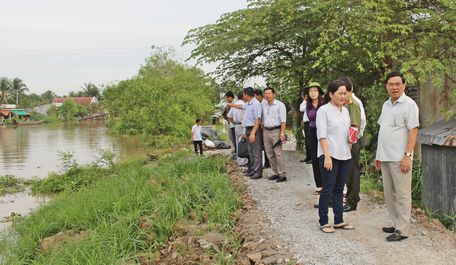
248 127
237 123
272 128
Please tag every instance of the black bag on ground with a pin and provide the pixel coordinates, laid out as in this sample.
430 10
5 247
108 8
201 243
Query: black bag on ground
243 149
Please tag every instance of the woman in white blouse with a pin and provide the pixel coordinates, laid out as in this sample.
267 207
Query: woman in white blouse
333 124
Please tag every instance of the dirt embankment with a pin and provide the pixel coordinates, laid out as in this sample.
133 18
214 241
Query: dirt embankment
254 242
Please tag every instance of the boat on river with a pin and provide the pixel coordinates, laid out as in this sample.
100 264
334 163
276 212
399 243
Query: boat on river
26 123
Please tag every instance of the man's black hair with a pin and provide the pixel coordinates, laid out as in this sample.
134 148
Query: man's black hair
394 74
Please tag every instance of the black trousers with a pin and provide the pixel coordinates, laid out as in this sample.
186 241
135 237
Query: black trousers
313 148
306 139
353 178
200 145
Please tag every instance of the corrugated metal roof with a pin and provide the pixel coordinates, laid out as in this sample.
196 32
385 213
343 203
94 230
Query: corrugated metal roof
20 112
4 112
440 133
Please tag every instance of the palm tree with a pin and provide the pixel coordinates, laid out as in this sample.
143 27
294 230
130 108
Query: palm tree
18 86
5 86
91 90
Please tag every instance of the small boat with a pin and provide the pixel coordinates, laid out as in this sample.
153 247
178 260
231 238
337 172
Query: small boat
26 123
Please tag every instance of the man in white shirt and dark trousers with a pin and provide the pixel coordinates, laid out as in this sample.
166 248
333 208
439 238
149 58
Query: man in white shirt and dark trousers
305 120
274 122
236 117
229 98
196 136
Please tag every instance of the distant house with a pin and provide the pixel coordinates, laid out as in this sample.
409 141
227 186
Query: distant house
8 111
83 101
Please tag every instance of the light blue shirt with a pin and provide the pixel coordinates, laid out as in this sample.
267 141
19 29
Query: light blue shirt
253 111
334 125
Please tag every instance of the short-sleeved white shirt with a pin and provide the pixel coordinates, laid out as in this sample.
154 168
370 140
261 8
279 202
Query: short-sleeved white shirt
334 125
274 114
303 108
237 114
363 124
196 132
396 121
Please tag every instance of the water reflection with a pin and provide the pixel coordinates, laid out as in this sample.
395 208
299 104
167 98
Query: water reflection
33 150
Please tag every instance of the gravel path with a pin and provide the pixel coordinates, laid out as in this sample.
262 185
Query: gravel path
289 208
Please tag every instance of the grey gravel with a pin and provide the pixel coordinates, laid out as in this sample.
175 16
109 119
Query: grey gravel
289 208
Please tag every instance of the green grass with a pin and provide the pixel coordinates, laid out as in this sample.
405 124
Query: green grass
111 208
370 181
10 184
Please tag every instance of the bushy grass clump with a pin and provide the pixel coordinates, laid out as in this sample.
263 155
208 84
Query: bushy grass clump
10 184
112 208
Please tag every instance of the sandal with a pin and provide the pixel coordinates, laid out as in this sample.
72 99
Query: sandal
344 226
327 228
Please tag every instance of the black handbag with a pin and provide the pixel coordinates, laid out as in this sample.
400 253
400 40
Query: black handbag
243 149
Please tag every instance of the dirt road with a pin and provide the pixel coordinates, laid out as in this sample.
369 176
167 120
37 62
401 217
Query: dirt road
289 209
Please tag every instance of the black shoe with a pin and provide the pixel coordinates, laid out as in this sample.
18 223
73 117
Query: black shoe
307 159
349 208
309 162
281 179
250 173
396 236
273 177
256 176
389 229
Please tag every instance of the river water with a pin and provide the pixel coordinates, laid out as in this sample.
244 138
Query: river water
33 151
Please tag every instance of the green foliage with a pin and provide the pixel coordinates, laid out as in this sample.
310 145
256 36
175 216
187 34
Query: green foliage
417 184
111 212
70 111
35 116
161 102
75 176
10 184
291 42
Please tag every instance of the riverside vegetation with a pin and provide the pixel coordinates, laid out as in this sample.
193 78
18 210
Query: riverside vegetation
108 210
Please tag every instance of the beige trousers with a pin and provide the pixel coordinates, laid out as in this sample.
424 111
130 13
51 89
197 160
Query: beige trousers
275 155
397 188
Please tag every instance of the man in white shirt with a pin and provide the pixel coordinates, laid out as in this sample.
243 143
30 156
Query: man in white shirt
229 98
196 137
274 122
396 140
236 117
305 121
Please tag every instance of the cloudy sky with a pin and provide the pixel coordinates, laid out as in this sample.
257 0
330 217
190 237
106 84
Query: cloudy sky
60 44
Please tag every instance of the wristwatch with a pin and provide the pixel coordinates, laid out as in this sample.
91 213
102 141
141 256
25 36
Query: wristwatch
408 154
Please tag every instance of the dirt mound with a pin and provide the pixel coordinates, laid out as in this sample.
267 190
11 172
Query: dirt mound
57 240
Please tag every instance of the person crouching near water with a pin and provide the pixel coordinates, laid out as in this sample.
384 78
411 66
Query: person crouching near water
333 125
196 137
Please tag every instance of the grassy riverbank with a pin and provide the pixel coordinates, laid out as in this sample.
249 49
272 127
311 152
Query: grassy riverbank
103 223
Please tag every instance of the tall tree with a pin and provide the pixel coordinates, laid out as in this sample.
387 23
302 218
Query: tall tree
293 41
91 90
5 86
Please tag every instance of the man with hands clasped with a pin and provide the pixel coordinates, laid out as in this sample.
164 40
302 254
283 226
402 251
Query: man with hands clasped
396 140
